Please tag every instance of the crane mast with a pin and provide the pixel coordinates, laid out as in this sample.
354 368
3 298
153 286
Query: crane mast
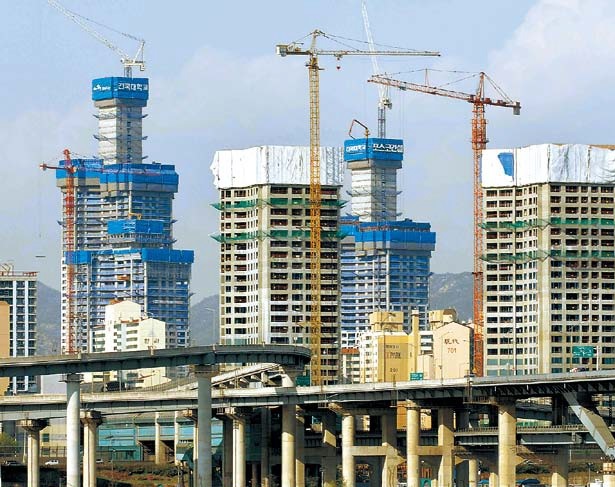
479 143
68 231
297 49
384 102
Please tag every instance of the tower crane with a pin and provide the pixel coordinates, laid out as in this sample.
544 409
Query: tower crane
312 53
479 142
68 210
127 61
384 102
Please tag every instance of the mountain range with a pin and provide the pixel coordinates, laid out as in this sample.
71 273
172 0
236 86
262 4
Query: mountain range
446 291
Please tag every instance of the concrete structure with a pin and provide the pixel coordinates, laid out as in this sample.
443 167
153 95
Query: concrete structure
126 329
264 248
384 261
549 271
439 317
452 351
123 223
19 291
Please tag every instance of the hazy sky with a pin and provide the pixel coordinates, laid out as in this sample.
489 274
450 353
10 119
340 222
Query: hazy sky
216 83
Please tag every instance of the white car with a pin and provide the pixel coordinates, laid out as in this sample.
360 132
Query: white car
52 462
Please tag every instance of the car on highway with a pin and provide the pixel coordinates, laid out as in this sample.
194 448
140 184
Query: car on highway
53 461
12 463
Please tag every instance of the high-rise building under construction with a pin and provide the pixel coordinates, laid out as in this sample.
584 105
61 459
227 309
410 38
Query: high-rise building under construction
385 262
123 224
549 257
265 248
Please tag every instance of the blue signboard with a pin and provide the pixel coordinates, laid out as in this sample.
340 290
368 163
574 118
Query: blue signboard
120 87
379 149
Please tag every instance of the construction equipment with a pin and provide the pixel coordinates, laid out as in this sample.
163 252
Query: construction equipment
68 211
479 142
297 49
127 61
384 101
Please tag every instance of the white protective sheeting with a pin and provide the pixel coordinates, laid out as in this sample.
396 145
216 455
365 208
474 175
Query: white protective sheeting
273 164
556 163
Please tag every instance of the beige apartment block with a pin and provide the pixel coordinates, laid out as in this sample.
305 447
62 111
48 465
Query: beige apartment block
549 258
452 351
264 208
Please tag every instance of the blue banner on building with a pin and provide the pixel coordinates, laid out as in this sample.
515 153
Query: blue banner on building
373 148
119 87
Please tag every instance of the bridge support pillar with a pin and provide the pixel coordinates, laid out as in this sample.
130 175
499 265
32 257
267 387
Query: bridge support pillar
329 442
203 464
446 440
91 421
299 449
176 433
348 461
227 452
494 479
608 469
159 446
389 440
33 429
413 431
265 441
239 451
559 475
507 443
73 429
472 472
289 430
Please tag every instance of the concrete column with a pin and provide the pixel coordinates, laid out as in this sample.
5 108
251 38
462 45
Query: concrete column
239 451
348 461
608 478
254 476
462 421
493 479
329 443
289 427
413 431
559 474
91 420
265 441
446 439
299 449
227 454
176 434
159 446
73 427
473 472
33 429
204 453
389 438
507 443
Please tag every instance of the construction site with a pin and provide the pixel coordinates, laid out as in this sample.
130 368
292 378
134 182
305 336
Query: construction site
315 249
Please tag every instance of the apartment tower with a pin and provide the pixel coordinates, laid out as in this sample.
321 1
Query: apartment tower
124 224
18 293
549 258
265 247
385 261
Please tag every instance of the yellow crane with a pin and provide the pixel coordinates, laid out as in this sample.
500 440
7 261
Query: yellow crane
312 52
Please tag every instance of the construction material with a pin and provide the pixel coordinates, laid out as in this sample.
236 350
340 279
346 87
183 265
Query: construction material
536 164
479 143
296 49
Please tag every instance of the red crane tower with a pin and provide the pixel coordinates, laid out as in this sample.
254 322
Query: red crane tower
479 142
68 232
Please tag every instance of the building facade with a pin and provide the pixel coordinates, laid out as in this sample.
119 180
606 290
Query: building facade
265 248
549 258
385 261
123 224
18 335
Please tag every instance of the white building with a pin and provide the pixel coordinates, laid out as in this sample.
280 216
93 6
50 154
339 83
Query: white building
549 258
265 248
126 329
